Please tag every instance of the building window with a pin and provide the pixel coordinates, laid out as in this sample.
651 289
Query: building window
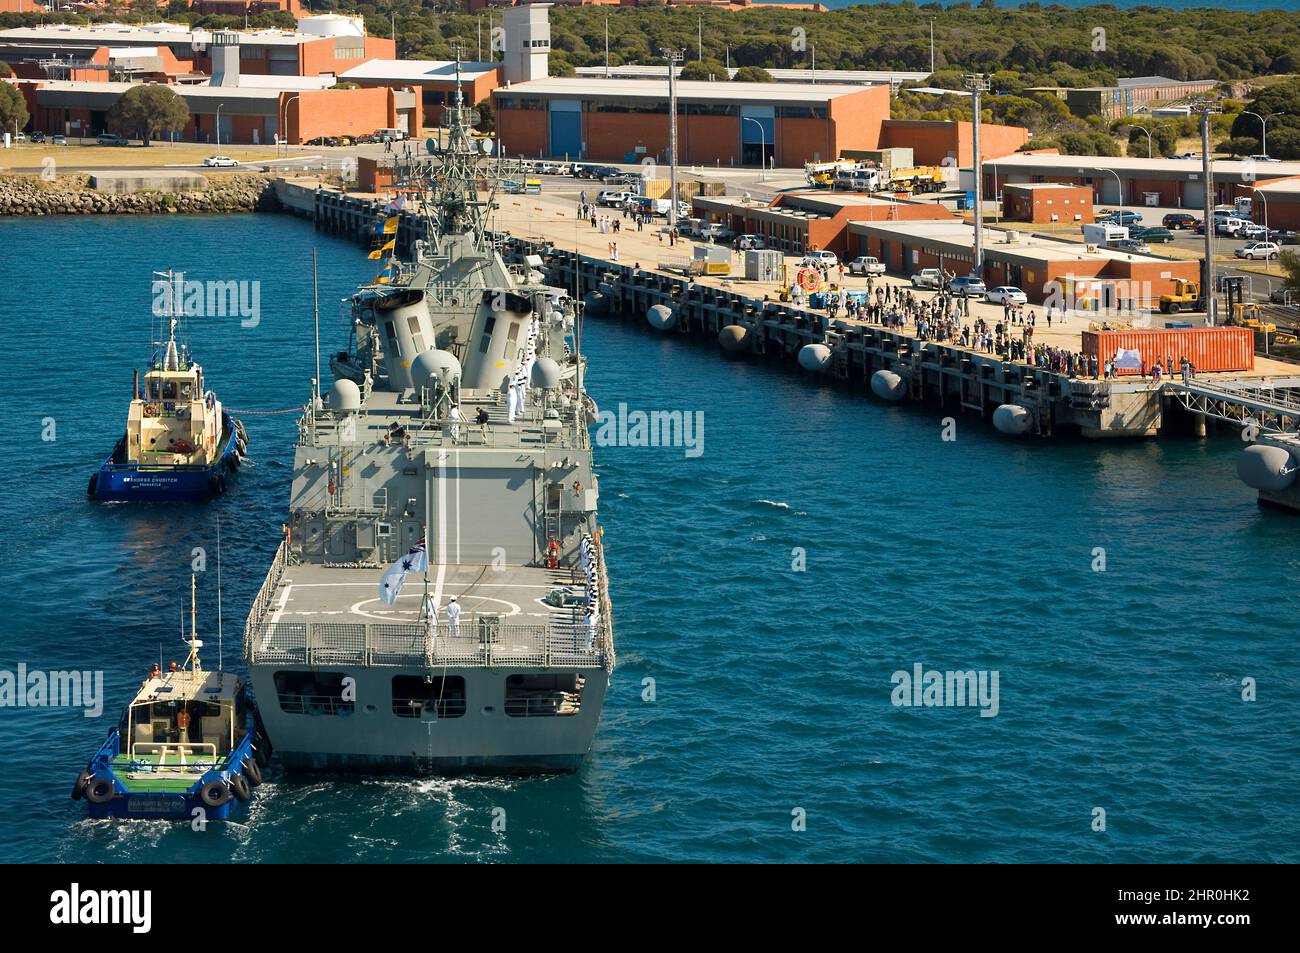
436 696
311 693
542 695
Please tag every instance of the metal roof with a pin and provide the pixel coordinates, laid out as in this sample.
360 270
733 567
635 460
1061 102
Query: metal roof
687 90
415 70
120 34
961 236
852 77
1136 164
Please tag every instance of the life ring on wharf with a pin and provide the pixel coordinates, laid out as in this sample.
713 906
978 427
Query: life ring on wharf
210 398
809 279
553 554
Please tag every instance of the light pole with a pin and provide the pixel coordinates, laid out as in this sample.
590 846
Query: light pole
1206 107
673 57
1118 184
762 146
931 46
1263 121
219 105
1148 132
978 84
812 50
284 122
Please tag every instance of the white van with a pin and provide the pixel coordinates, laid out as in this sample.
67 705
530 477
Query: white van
397 135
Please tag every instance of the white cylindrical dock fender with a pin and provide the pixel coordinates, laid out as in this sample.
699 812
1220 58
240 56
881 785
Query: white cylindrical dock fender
888 385
814 357
1012 419
1266 467
661 317
734 337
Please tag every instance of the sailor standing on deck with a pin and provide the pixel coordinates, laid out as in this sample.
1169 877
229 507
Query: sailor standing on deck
453 618
455 423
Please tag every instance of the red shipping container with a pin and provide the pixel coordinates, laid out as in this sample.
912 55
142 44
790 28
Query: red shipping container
1209 349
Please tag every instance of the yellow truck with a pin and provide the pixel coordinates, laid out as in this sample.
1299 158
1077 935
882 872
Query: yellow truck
921 178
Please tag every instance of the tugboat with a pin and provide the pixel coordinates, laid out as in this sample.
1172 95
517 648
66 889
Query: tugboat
180 444
189 739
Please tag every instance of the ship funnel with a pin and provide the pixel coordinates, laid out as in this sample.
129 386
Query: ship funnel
407 332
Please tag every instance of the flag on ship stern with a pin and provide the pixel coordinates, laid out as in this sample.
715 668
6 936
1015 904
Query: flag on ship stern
416 560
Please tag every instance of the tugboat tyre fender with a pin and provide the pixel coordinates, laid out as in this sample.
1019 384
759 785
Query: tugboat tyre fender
233 463
239 787
93 485
217 484
79 787
261 754
214 793
263 741
100 790
252 770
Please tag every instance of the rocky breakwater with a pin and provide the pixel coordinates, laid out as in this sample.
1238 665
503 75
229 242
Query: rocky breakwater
78 195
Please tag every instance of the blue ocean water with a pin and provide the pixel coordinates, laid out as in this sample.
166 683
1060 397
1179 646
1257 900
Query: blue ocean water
1119 690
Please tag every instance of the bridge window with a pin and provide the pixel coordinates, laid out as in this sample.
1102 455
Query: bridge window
418 696
540 695
313 693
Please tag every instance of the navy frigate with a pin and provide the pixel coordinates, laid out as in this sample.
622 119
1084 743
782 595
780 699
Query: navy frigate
439 601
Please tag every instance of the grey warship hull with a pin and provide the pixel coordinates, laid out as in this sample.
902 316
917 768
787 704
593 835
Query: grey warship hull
439 602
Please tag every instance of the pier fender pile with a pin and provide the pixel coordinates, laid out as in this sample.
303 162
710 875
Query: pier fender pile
888 385
661 317
734 337
1266 467
814 357
1012 419
595 303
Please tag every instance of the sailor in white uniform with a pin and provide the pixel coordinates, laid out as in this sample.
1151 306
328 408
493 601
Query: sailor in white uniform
453 618
455 423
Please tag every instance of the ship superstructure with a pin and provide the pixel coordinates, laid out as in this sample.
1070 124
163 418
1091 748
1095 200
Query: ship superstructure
456 431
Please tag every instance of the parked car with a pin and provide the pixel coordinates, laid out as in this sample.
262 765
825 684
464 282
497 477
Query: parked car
59 141
109 139
1006 294
820 259
38 136
220 162
747 242
1134 246
1179 220
866 265
614 198
1120 217
1228 226
1265 159
928 278
20 137
563 168
1252 232
1152 234
1265 250
966 286
1282 295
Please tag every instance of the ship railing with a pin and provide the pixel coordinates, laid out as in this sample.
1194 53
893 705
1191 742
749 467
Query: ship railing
262 601
474 642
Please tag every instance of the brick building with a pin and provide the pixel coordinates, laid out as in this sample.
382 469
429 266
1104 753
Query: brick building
1046 202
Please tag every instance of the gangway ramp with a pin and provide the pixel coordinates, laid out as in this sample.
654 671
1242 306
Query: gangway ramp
1273 404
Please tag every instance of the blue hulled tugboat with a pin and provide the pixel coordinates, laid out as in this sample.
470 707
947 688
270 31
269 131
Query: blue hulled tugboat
180 444
189 739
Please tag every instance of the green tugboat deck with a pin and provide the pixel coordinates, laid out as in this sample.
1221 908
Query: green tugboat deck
148 778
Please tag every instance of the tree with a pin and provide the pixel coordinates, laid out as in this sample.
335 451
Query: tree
1087 143
147 111
13 108
1239 146
1290 263
486 118
752 74
705 70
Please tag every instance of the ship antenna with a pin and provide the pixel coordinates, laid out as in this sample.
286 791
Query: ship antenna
220 654
194 653
315 307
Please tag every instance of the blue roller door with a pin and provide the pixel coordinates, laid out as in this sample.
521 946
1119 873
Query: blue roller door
566 128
